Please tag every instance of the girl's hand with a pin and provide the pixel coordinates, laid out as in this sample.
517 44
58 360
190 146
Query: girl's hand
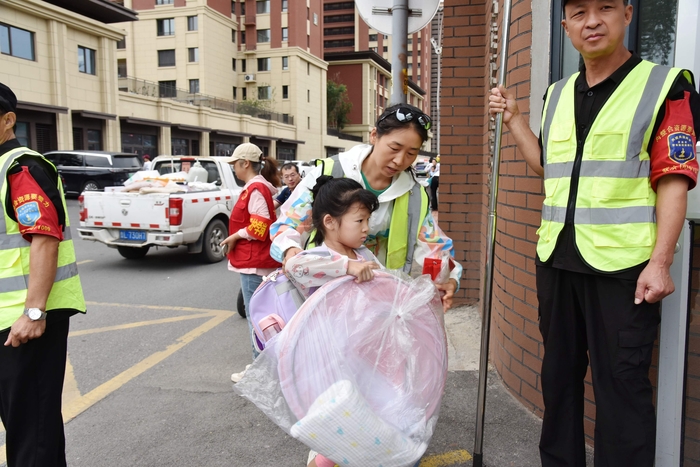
448 288
363 270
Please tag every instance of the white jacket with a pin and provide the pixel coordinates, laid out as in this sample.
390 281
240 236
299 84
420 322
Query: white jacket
293 226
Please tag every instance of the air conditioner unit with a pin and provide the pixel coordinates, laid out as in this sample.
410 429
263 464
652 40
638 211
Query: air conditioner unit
250 77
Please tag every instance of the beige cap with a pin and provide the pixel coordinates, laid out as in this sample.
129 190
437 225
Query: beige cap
246 151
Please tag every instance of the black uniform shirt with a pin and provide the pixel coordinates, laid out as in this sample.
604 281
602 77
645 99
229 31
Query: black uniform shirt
588 101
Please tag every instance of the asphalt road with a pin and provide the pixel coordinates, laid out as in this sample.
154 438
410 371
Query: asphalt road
149 367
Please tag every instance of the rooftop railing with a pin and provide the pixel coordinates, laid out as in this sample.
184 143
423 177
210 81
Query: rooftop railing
166 91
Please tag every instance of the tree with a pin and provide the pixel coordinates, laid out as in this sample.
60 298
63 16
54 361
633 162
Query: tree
338 104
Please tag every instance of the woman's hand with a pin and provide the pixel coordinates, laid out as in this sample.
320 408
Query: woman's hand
229 243
363 270
290 253
449 289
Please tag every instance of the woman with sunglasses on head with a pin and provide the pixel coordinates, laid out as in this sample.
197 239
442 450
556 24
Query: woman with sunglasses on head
402 232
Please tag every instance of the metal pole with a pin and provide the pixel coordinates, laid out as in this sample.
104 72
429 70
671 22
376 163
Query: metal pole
491 241
399 51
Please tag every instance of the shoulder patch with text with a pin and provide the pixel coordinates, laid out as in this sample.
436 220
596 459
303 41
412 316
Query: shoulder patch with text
680 147
28 214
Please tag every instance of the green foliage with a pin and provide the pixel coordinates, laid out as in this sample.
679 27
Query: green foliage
338 104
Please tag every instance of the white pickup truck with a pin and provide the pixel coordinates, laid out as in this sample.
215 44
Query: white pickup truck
132 222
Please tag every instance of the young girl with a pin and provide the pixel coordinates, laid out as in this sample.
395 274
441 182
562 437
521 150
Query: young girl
341 213
249 243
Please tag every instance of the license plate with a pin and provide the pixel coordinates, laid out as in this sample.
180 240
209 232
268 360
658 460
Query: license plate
132 235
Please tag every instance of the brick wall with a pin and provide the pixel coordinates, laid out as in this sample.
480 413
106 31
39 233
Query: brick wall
463 165
691 442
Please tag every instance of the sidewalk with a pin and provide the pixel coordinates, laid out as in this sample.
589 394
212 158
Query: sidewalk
511 432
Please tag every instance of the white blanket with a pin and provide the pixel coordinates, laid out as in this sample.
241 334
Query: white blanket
341 426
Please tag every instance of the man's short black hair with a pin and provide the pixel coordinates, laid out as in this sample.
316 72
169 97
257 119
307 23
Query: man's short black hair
8 100
564 2
290 165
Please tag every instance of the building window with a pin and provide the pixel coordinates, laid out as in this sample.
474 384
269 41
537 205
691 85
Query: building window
167 89
308 123
244 94
263 35
262 6
16 42
164 2
339 6
166 57
86 60
315 19
340 31
264 93
285 6
194 86
264 64
192 23
233 64
340 43
285 63
385 48
285 92
94 140
165 27
339 19
308 95
373 38
243 65
22 133
242 37
233 35
243 8
193 54
121 44
308 68
235 94
233 7
121 68
285 34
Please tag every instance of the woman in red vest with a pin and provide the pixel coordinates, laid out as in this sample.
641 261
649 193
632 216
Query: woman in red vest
249 243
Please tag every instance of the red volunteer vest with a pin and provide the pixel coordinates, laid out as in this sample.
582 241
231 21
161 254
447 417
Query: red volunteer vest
252 253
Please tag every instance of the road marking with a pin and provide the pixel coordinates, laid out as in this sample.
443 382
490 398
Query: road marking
85 261
74 403
78 406
446 459
159 307
119 327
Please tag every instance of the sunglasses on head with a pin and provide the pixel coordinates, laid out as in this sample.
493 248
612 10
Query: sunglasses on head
404 114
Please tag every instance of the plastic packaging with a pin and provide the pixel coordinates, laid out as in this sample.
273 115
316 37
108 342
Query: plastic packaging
359 371
438 268
197 173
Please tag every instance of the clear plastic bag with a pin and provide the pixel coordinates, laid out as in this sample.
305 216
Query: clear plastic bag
359 371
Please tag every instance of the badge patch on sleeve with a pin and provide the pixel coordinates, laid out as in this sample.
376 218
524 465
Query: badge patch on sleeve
680 147
28 214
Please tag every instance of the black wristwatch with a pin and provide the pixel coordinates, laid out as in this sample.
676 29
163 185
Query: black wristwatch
35 314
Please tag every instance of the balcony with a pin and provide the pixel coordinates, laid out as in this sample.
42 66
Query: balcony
142 87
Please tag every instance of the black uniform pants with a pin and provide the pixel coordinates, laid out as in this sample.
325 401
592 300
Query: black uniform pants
434 185
584 315
31 385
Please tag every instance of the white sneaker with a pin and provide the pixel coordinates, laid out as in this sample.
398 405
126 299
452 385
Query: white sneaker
236 377
312 456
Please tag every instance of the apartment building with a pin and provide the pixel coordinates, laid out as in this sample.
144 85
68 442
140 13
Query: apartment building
359 57
261 58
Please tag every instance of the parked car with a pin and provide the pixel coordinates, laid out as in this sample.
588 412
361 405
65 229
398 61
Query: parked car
422 166
93 170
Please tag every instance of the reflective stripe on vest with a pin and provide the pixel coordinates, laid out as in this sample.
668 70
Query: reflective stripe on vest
407 217
614 216
14 256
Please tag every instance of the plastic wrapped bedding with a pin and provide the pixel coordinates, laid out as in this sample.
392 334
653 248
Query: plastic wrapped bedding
358 373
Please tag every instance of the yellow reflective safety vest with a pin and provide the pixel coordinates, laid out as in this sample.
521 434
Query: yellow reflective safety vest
14 259
614 214
407 216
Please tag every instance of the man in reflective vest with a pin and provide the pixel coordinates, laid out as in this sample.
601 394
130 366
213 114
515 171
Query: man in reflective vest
617 153
39 291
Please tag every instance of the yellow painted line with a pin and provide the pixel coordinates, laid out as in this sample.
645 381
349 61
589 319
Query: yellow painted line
138 324
159 307
70 385
85 261
446 459
78 406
